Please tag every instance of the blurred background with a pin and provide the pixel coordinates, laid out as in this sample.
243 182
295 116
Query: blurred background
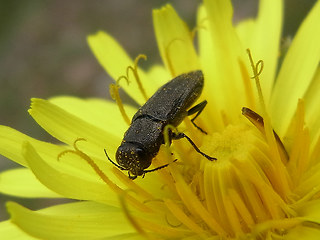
43 52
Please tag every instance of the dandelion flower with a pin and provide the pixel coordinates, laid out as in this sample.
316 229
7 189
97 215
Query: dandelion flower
263 126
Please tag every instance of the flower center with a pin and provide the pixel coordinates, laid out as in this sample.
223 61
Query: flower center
241 189
233 142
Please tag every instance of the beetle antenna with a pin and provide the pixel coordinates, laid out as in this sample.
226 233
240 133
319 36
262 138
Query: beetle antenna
157 168
118 166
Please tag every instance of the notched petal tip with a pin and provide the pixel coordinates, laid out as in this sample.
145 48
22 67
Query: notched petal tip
175 41
96 34
33 101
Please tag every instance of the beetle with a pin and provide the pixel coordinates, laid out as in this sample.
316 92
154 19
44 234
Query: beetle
169 105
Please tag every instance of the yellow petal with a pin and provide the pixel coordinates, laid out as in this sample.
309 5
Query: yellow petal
213 121
109 54
22 183
245 30
115 61
159 74
300 232
11 145
174 41
11 142
100 113
81 220
312 100
67 128
297 71
9 231
310 213
60 180
265 41
221 56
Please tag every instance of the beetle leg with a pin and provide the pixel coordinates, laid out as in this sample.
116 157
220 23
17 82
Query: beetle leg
182 135
133 177
197 109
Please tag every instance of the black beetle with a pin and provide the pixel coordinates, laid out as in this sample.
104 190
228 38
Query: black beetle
169 105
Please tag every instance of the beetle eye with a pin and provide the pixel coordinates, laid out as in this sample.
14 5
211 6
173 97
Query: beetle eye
140 152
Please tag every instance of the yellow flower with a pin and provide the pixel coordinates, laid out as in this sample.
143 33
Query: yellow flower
265 183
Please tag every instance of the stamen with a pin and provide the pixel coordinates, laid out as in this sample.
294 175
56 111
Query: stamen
258 122
258 211
134 70
114 92
196 137
315 154
257 70
131 219
224 118
269 133
279 158
187 196
182 217
194 205
307 197
232 216
153 228
167 55
198 27
268 196
161 230
114 88
286 223
167 154
137 222
241 207
247 85
131 184
166 176
299 155
303 162
172 224
135 203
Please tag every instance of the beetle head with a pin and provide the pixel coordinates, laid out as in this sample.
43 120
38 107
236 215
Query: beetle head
135 159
